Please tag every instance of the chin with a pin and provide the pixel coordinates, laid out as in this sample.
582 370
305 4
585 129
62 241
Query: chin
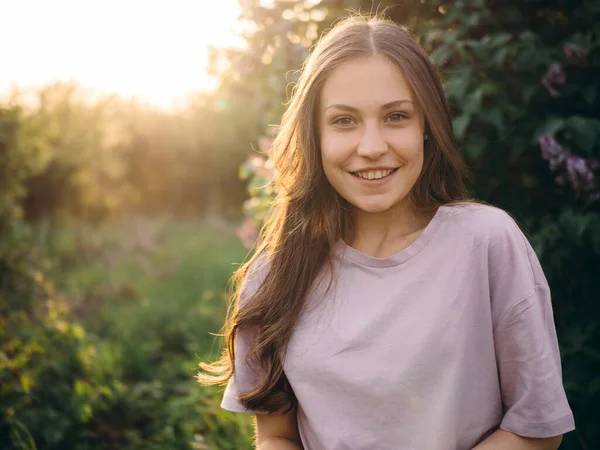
373 208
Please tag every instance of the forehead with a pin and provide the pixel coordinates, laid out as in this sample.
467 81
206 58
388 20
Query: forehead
365 82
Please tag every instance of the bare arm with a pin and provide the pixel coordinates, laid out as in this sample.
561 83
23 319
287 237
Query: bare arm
504 440
278 431
279 444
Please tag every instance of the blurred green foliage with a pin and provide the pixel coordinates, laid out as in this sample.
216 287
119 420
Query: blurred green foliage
103 157
111 361
102 326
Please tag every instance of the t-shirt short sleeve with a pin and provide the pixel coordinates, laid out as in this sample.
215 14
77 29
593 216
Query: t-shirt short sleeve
525 340
530 371
246 374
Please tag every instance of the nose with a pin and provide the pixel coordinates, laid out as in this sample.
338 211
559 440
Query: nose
372 143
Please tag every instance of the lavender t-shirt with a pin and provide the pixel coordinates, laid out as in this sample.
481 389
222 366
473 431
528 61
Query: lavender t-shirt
434 347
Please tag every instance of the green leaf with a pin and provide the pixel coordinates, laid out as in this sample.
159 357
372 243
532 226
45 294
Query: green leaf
500 57
460 124
528 93
472 19
441 55
489 88
449 37
475 146
550 126
576 224
472 104
501 39
584 131
457 85
518 146
496 118
478 48
528 35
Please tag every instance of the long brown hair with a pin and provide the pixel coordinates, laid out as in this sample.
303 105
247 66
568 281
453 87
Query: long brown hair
309 217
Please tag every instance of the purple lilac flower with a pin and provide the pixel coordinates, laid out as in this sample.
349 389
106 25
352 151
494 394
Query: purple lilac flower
554 77
552 152
579 174
593 163
569 168
575 54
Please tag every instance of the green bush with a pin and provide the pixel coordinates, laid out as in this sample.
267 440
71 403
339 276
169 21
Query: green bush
51 378
98 352
116 368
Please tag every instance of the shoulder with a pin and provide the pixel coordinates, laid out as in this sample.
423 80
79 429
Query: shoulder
486 224
482 219
506 245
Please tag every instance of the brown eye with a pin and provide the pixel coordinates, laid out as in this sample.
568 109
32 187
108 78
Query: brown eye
396 117
345 121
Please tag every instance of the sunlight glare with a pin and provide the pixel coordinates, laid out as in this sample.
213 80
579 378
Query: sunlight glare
153 50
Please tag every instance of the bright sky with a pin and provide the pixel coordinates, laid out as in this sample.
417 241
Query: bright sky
153 49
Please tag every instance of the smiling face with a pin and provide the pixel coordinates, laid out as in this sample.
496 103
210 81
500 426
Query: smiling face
371 134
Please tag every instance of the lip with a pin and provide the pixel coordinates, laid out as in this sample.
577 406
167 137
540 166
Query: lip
375 183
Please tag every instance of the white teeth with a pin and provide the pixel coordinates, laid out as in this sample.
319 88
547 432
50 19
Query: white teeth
374 174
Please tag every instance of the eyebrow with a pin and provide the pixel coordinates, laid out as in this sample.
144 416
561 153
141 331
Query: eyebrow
353 109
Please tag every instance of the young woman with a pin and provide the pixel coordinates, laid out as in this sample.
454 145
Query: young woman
384 309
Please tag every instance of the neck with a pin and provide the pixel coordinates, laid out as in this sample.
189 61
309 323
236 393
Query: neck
385 233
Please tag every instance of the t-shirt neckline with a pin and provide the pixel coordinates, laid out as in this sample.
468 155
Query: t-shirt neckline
345 251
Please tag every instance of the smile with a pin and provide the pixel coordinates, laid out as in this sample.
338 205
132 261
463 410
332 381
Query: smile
375 175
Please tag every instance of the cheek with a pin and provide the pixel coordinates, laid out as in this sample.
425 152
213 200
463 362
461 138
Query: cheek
336 148
409 147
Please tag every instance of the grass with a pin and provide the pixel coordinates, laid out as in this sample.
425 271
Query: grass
151 292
